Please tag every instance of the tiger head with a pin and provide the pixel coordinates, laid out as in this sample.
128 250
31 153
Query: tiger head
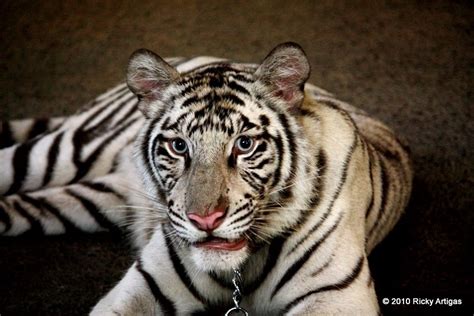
222 150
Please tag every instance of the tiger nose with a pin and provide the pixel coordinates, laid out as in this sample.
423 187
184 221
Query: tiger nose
207 222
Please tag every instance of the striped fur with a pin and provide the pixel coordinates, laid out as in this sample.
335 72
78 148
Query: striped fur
322 186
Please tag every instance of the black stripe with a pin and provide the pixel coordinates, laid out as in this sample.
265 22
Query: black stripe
318 181
216 81
246 223
332 287
176 223
42 204
21 165
261 179
181 270
35 225
232 99
262 163
323 267
127 115
237 87
5 218
193 100
85 166
197 83
292 147
262 147
264 120
147 160
242 78
241 218
279 145
166 305
162 167
371 177
52 158
302 260
166 125
274 251
244 121
162 152
332 104
69 225
103 123
220 69
81 138
102 187
241 208
342 181
172 211
248 179
94 211
383 196
213 98
39 127
6 136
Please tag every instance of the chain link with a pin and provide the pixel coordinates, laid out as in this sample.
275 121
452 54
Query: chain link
237 296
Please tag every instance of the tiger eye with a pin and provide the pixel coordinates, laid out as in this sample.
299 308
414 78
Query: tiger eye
244 144
179 146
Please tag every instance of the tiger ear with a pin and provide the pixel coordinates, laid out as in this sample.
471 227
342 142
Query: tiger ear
284 72
148 76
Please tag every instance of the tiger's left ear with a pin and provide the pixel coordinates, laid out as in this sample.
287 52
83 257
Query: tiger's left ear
284 72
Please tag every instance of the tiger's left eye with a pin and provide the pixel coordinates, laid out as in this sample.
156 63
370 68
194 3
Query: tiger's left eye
244 145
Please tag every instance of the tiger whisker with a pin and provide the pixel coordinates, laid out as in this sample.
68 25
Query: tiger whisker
143 194
138 207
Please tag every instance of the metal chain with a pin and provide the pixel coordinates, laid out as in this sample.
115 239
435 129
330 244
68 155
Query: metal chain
237 296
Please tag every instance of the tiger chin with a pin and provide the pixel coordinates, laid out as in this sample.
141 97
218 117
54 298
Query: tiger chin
217 167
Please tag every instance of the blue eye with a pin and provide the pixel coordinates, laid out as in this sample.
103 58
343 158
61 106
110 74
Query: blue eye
244 145
179 146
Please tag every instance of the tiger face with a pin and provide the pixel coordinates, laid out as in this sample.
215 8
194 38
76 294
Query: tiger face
220 150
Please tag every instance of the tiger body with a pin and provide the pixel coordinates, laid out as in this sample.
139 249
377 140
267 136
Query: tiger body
323 184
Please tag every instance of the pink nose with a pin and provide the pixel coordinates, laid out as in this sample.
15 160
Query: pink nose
207 222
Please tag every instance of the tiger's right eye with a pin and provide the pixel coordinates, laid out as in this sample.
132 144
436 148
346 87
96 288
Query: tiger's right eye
244 145
178 146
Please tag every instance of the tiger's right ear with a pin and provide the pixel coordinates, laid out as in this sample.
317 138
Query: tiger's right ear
148 76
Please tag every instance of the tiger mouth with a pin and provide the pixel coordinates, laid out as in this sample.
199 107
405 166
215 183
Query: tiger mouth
216 243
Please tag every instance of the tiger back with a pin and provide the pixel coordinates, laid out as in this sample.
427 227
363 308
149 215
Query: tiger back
217 166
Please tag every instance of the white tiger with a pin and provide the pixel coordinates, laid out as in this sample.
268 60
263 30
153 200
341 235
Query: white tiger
218 166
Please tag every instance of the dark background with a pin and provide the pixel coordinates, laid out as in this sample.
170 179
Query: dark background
408 63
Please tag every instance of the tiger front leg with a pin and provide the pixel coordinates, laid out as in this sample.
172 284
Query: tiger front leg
151 286
131 296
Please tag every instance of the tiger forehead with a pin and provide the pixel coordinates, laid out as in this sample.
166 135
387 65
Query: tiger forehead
219 80
228 71
217 97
